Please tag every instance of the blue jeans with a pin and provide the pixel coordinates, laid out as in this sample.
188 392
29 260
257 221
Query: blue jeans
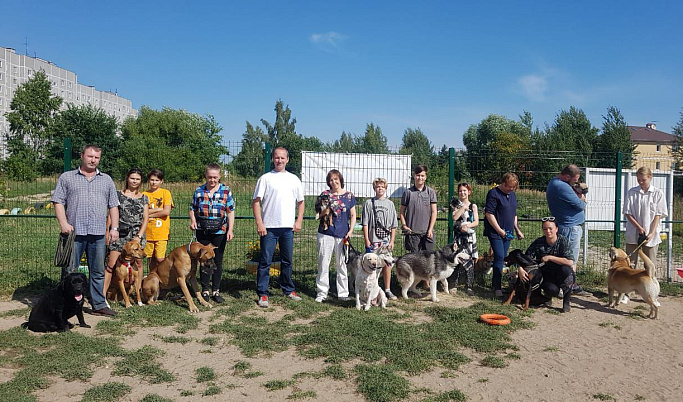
285 238
500 250
573 234
95 251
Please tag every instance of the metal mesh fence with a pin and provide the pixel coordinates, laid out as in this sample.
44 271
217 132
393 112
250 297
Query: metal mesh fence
28 228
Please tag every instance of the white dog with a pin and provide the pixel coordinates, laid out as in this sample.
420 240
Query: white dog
368 292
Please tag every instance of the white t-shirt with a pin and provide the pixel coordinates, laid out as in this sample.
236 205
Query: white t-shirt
280 192
644 206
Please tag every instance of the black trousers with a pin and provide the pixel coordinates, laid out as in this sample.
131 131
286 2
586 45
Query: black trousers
556 277
213 282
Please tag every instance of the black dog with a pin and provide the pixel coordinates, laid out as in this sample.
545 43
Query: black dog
323 210
53 310
531 288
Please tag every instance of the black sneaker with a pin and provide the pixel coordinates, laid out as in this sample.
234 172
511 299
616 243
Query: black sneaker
217 298
106 312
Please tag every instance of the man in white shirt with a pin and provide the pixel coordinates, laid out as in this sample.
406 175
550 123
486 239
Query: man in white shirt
278 205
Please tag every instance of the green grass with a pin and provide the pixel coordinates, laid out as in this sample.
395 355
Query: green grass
275 385
210 340
302 395
154 398
494 361
205 374
142 363
175 339
111 391
212 390
454 395
381 383
604 397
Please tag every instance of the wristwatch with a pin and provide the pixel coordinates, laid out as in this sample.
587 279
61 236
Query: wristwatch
116 229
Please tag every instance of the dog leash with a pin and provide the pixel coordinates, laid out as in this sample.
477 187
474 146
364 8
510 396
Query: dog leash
637 248
192 240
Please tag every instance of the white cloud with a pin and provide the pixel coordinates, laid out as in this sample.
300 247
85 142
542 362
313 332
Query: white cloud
328 41
534 87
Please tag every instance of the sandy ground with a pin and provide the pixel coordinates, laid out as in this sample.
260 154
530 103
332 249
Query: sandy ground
566 357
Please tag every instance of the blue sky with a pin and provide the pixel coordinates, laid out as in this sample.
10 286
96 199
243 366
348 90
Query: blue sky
435 65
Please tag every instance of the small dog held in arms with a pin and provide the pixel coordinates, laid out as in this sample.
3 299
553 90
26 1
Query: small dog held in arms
127 277
529 292
53 310
432 266
324 210
623 279
368 292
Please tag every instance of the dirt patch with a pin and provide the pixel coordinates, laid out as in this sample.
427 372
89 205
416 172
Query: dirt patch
565 357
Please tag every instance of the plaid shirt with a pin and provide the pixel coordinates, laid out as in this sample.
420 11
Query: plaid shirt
206 206
87 202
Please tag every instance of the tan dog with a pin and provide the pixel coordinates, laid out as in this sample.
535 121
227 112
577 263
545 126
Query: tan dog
126 273
368 292
175 270
483 264
621 278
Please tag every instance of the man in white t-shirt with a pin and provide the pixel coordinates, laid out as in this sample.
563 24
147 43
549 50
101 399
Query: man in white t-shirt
278 205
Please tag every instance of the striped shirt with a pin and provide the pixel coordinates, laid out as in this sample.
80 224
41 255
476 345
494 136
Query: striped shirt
214 206
87 201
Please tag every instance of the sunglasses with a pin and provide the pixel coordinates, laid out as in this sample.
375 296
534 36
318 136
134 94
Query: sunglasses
548 219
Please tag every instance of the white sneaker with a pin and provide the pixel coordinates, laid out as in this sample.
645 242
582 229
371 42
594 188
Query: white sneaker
624 300
319 299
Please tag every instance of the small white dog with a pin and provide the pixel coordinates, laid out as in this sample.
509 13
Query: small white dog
368 292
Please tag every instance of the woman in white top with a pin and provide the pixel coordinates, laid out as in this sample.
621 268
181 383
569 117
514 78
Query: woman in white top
644 207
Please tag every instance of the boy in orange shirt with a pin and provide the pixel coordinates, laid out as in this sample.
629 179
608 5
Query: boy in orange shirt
159 225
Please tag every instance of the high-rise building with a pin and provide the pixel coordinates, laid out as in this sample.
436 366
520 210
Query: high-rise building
16 69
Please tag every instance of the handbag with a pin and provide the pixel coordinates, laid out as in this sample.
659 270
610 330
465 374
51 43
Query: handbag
209 225
124 229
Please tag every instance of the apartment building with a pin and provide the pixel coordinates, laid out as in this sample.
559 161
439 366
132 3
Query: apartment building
16 69
654 148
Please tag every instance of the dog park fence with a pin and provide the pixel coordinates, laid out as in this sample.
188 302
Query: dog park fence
29 230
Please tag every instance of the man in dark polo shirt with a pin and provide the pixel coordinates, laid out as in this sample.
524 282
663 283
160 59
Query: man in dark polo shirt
82 199
418 213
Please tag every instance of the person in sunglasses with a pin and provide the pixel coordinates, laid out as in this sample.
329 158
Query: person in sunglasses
553 253
500 225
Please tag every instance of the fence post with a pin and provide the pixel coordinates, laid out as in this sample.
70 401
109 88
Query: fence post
617 202
451 184
67 154
266 157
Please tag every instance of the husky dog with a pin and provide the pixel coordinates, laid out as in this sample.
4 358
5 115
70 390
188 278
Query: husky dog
431 266
368 292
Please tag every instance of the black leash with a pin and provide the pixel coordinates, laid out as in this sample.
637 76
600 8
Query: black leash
65 247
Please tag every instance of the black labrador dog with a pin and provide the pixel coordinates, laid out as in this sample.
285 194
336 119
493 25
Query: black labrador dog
53 310
528 292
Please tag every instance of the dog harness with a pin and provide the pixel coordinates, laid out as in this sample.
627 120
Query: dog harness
128 265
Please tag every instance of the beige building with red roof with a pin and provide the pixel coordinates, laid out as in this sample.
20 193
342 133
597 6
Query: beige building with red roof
653 147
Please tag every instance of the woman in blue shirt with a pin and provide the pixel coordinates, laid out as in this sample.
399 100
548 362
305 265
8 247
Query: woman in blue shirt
500 225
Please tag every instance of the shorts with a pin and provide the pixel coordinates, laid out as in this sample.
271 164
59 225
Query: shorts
156 249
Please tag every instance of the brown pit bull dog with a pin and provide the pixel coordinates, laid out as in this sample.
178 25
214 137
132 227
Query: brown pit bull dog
127 273
176 269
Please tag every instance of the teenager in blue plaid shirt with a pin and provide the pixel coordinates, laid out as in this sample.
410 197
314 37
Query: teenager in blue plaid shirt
212 216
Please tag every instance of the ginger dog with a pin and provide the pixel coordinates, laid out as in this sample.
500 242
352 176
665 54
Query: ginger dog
175 270
127 273
621 278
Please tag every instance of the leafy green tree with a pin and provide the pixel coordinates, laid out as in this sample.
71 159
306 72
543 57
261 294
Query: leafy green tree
33 109
573 132
678 144
176 141
495 146
249 161
84 124
374 142
614 138
416 143
21 164
284 124
347 143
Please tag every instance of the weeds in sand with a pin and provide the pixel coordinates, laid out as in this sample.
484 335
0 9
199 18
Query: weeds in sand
513 356
253 374
551 349
639 398
494 361
155 398
241 368
449 374
186 392
552 311
381 383
454 395
302 395
19 312
335 371
142 362
212 390
164 314
205 374
483 380
110 391
174 339
610 324
275 385
603 397
254 334
210 340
